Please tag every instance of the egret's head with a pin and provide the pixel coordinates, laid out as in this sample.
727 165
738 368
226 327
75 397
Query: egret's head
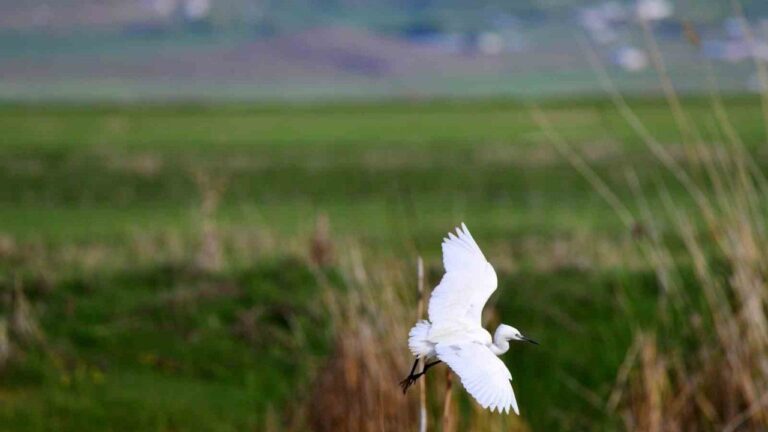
511 333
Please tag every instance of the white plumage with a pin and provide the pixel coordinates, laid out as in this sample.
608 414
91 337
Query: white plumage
482 374
468 282
454 332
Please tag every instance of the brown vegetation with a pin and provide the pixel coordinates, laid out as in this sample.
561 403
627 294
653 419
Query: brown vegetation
357 389
709 371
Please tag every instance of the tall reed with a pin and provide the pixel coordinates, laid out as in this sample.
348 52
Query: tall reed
703 365
357 389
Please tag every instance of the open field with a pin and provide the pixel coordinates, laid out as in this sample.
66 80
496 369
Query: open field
166 250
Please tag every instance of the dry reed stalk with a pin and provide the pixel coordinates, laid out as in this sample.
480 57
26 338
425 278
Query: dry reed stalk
321 251
688 131
419 315
449 418
271 422
23 325
8 246
617 394
761 69
5 344
210 256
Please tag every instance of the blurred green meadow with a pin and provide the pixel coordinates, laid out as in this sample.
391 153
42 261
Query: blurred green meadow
106 213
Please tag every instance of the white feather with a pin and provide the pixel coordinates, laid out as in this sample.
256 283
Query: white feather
483 374
468 282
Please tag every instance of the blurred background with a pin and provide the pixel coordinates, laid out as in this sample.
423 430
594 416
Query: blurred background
242 50
215 214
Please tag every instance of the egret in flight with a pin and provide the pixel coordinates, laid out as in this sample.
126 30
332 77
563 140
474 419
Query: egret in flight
454 333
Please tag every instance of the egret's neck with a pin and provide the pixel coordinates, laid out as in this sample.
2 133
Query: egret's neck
500 343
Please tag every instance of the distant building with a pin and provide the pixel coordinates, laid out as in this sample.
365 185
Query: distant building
653 10
163 8
631 59
490 43
601 21
196 10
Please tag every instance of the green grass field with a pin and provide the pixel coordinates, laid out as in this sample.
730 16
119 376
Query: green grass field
100 223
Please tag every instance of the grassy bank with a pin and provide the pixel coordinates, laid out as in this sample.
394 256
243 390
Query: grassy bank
108 214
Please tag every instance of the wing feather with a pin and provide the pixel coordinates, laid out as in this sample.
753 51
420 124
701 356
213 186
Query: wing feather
468 282
482 374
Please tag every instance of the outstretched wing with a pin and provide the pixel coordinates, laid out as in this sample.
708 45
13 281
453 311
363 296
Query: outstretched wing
468 282
482 374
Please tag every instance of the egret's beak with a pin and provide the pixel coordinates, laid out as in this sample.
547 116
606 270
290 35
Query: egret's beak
530 340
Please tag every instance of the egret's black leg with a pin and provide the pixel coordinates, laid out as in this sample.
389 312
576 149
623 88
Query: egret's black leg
429 365
411 378
413 369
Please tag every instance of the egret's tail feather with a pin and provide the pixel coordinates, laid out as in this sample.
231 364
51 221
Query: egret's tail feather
417 340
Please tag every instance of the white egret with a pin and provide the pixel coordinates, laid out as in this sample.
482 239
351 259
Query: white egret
454 333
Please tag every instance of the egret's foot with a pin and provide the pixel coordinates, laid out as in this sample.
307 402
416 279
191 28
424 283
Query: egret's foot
408 381
412 377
